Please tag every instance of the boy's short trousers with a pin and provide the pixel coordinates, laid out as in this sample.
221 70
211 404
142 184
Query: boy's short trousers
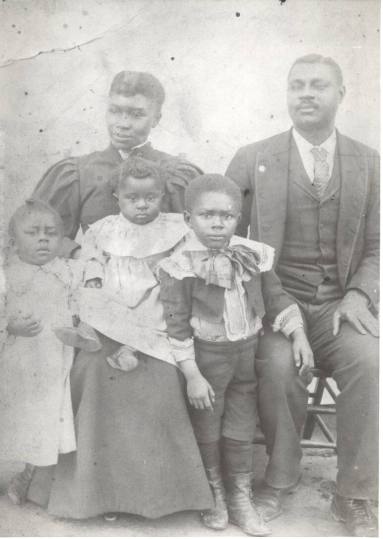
229 369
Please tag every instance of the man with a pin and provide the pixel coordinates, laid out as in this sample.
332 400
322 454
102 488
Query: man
312 194
81 188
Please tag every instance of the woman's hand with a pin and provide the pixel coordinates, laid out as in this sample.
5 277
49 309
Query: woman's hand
24 326
94 283
200 393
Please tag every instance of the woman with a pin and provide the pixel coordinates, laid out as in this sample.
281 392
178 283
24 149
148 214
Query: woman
130 458
79 188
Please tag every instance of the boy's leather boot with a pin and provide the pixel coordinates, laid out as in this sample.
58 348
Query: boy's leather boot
238 465
217 517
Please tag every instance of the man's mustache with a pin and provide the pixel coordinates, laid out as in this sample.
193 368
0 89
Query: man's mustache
304 104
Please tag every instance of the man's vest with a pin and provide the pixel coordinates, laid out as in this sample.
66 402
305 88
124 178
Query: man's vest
307 264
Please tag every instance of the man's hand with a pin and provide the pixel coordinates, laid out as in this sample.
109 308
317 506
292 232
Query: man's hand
354 309
94 283
303 355
24 326
200 392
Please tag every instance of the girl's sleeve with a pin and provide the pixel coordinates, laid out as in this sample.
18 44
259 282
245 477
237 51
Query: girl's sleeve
175 295
3 310
92 256
76 272
60 187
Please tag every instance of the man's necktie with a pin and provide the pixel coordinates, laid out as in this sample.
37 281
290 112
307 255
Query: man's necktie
321 170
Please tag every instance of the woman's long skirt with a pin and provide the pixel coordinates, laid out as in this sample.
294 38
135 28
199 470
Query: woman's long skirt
136 451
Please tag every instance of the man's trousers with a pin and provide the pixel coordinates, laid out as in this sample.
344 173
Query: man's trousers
352 360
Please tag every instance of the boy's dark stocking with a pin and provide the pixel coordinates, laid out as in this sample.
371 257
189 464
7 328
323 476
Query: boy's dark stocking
238 467
216 518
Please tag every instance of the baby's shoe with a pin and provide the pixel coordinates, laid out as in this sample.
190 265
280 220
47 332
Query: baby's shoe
124 359
19 485
83 337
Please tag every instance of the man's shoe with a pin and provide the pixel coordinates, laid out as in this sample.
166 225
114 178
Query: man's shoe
268 500
357 516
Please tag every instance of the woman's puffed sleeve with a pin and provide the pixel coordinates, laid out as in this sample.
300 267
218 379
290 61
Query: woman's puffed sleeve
60 187
178 174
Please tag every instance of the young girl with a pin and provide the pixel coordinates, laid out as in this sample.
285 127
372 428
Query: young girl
215 288
35 404
136 452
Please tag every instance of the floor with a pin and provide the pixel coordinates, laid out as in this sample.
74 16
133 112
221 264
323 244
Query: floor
306 511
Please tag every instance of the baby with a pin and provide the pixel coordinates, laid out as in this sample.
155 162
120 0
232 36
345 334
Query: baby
120 298
35 404
216 288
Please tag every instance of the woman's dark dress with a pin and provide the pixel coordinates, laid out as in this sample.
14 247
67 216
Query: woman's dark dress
136 451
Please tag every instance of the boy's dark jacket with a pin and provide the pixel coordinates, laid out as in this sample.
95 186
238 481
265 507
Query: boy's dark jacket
191 296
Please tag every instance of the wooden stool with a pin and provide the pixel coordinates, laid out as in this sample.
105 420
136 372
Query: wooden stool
316 409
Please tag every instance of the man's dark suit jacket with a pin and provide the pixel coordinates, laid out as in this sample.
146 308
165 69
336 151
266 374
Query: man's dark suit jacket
261 171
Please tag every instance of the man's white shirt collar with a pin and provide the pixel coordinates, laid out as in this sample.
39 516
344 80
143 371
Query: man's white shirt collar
304 149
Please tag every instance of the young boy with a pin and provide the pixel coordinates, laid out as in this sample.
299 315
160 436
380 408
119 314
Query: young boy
214 299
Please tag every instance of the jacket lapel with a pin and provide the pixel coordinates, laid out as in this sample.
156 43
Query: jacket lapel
353 194
270 191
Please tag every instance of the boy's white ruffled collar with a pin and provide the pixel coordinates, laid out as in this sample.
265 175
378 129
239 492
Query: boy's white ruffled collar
179 266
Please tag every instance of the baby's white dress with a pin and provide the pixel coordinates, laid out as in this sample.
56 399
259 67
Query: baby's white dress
124 256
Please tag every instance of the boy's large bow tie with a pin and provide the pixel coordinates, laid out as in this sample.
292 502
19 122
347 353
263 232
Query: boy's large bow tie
219 267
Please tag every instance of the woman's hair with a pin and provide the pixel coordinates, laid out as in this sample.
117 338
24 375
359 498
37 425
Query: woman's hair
129 83
212 183
33 206
138 168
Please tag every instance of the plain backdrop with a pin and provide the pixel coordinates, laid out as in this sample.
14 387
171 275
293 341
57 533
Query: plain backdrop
223 63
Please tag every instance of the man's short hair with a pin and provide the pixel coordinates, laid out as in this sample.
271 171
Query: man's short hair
211 183
138 168
130 83
319 59
33 206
